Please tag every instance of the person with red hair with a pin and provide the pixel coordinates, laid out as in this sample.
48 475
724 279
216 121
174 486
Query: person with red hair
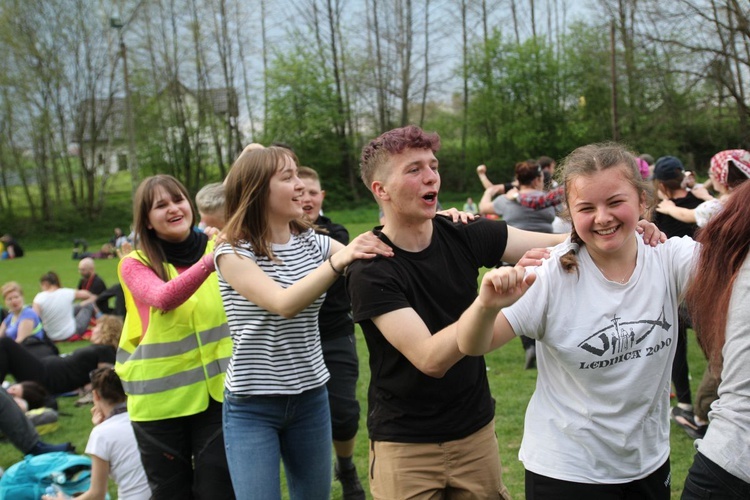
717 299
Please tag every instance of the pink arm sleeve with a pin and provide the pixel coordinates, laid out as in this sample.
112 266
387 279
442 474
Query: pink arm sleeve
149 290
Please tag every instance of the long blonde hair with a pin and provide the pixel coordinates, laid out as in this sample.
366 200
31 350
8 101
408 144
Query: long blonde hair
586 161
247 194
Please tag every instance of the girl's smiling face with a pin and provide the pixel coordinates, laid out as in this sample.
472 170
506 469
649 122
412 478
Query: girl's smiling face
285 192
605 207
170 216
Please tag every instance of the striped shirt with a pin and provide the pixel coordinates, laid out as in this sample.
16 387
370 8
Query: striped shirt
272 354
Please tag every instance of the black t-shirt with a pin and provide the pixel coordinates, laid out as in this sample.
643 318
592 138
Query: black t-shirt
439 283
93 284
673 227
335 317
69 372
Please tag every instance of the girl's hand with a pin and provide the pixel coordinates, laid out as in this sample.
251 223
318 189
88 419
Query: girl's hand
534 257
481 170
503 286
97 416
702 193
365 246
457 215
651 234
664 206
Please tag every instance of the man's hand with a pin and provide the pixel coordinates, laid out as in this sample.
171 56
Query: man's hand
457 215
534 257
651 234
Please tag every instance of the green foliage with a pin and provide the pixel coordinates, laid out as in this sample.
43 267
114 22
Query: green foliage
516 106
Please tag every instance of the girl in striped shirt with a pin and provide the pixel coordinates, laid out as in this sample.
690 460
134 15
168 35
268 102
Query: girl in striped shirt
273 273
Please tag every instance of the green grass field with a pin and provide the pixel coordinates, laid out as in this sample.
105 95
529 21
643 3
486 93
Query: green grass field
510 384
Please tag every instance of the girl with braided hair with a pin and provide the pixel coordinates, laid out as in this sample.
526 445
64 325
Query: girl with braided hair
603 310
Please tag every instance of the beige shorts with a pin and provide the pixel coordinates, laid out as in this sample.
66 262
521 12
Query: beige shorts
467 468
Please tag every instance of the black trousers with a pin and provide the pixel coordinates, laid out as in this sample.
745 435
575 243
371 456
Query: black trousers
680 368
656 486
707 480
184 458
340 355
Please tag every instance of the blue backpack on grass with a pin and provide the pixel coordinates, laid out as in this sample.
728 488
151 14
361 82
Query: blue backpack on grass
29 478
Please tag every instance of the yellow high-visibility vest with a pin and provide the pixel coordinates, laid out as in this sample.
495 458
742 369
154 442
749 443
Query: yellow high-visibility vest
182 358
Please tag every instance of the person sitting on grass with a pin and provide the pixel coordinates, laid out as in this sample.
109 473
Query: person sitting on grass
107 251
12 249
21 432
55 305
23 324
112 446
61 374
30 395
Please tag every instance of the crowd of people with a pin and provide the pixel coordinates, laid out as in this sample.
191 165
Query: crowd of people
237 351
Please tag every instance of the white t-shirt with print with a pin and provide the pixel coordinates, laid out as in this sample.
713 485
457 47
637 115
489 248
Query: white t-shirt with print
600 411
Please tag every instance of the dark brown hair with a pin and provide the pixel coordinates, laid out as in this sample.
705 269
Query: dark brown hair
36 395
146 239
527 172
724 248
50 277
107 385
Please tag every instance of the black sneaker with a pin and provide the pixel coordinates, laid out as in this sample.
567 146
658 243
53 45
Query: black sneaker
686 420
350 484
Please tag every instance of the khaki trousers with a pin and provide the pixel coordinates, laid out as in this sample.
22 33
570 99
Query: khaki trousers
467 468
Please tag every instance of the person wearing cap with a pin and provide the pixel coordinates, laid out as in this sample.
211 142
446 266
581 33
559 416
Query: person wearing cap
668 178
728 170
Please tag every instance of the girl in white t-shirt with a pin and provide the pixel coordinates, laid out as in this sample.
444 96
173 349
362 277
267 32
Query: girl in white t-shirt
604 312
112 446
273 273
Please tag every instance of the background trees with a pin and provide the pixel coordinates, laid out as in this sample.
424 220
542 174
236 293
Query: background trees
500 80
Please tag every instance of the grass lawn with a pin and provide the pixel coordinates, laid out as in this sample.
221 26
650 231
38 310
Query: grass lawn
510 384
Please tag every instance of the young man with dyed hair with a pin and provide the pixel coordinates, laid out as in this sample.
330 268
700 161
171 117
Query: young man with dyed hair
431 415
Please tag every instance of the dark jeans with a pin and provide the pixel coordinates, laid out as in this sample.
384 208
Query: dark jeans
340 355
15 425
706 480
656 486
184 457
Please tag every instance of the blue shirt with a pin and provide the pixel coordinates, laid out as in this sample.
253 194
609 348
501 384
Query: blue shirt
11 326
